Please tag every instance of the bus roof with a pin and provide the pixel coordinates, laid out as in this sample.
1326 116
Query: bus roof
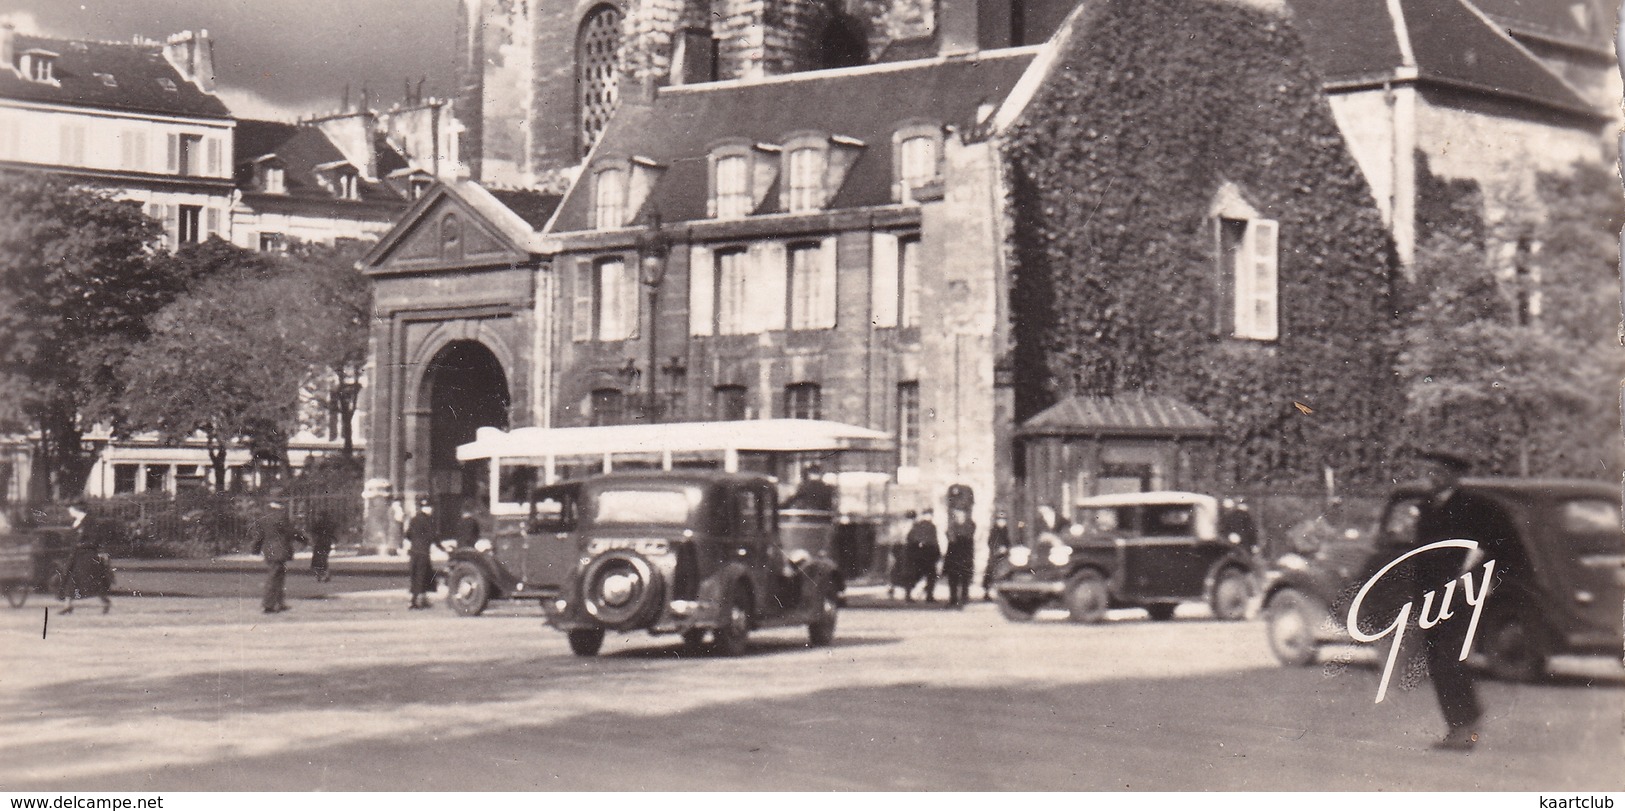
780 435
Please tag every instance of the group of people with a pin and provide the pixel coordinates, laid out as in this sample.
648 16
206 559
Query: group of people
919 556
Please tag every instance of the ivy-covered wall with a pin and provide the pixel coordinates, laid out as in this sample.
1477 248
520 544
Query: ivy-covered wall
1113 169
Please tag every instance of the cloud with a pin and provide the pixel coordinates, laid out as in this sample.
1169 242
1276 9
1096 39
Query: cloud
248 104
23 21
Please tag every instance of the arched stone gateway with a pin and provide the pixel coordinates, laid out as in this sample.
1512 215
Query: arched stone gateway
463 389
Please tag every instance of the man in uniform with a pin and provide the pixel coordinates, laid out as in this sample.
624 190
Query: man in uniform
422 534
274 539
1447 514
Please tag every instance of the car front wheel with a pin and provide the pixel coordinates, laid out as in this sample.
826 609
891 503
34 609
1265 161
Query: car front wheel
470 592
733 637
1290 620
1231 591
821 632
1087 598
1017 609
586 641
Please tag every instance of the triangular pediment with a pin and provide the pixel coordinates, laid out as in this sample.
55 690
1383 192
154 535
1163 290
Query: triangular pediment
446 230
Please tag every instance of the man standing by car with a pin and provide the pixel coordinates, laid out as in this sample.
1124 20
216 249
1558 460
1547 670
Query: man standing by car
998 549
422 533
274 538
924 552
1450 514
959 565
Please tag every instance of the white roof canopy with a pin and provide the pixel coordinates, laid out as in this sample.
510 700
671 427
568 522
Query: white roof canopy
779 435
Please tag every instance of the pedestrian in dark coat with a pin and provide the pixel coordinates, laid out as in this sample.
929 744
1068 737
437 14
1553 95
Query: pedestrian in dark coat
468 528
324 530
900 571
959 564
1451 514
998 550
924 553
422 534
274 539
87 573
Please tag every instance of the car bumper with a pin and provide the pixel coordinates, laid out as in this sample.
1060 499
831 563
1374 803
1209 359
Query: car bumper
1028 587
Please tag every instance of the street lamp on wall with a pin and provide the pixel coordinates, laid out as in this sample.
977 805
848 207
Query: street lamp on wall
654 248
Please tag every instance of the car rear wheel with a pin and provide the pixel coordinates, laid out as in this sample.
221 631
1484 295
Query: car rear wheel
1231 591
694 640
1290 620
1161 612
1087 598
586 641
821 632
733 637
469 591
1516 648
1017 609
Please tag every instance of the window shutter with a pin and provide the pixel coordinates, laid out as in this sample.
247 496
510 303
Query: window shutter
883 280
824 316
702 290
765 293
213 221
1266 293
1242 283
174 145
213 150
629 292
581 312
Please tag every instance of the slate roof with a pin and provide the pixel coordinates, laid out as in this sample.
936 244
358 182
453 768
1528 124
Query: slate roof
135 68
534 207
1446 42
302 148
678 129
1119 415
1584 23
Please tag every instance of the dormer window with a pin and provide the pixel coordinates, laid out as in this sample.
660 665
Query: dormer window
609 198
731 180
917 161
168 85
340 179
107 79
39 66
420 186
275 180
805 181
347 187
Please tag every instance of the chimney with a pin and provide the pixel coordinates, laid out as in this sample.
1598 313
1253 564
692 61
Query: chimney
192 55
8 45
694 57
957 26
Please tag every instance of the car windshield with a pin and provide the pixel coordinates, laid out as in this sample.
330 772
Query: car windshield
644 506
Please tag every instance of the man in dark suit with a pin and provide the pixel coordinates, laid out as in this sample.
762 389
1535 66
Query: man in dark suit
1448 514
422 534
274 539
87 573
924 552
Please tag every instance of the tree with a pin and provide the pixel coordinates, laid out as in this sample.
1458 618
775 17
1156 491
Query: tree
337 314
77 282
1510 349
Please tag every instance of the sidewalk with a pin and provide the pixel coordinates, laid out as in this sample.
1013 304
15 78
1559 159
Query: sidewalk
352 564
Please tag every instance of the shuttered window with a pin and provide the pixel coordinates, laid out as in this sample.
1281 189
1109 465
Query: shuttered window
812 286
1250 255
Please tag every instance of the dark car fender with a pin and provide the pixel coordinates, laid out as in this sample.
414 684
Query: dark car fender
714 591
502 582
1233 560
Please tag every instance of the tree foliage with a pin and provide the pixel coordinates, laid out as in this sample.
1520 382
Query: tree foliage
1114 170
1527 390
77 282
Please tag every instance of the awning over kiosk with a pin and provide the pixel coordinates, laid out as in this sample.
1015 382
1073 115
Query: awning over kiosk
779 435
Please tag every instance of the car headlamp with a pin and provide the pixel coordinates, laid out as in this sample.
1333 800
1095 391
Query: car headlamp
1059 554
482 545
1020 556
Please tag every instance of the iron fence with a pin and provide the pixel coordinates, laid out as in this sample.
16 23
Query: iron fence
203 525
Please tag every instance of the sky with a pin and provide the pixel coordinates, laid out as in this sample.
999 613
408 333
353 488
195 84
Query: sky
278 59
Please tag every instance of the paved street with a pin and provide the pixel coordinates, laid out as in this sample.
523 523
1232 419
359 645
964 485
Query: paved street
352 691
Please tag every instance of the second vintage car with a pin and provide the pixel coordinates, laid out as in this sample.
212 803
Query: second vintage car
703 554
1147 550
527 558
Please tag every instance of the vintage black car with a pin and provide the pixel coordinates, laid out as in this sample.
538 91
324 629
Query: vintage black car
1149 550
1562 595
702 554
527 557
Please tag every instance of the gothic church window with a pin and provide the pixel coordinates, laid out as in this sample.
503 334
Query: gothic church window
597 72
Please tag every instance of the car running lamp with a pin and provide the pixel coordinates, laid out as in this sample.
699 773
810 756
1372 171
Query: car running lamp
1020 556
1059 554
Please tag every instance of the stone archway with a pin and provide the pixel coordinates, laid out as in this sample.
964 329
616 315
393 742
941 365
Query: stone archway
464 389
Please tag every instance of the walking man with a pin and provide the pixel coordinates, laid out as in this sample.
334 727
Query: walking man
998 549
324 529
422 534
274 539
924 553
959 565
87 574
1449 514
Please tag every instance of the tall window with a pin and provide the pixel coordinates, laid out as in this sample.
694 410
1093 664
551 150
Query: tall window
806 180
1248 256
186 154
272 242
133 150
732 269
275 180
908 282
803 401
609 199
728 403
908 424
1525 281
606 301
916 163
608 407
73 144
598 49
812 288
732 184
191 225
